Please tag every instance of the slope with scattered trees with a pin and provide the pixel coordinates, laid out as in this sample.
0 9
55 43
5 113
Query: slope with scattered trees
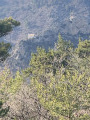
6 26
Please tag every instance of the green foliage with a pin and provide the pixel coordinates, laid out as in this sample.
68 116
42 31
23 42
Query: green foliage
83 49
4 50
64 96
84 117
15 83
62 85
9 84
63 46
3 111
7 25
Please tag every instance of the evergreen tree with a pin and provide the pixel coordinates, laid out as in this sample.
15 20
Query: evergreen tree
6 26
83 48
8 86
63 91
3 111
4 50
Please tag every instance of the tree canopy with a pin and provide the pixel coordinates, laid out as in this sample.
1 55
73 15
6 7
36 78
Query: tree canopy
83 48
61 80
6 26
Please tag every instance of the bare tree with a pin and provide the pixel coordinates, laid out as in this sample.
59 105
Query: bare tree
25 106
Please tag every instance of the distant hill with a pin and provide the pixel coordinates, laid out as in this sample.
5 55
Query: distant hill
46 19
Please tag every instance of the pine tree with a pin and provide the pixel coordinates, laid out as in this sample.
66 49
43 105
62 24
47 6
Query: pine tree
3 111
6 26
83 48
63 91
6 81
8 86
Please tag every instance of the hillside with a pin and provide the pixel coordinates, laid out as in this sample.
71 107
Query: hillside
45 19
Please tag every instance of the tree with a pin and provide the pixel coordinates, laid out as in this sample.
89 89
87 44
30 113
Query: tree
65 95
3 111
6 26
8 83
24 105
4 51
63 91
83 48
8 86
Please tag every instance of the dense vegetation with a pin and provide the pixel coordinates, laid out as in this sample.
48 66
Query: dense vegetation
6 26
59 86
61 79
56 84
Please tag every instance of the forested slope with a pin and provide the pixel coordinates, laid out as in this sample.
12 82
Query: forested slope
46 19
